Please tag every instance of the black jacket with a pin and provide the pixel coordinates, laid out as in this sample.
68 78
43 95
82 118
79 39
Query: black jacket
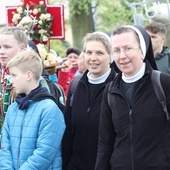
136 138
82 120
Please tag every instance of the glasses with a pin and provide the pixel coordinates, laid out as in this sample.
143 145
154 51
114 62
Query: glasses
126 50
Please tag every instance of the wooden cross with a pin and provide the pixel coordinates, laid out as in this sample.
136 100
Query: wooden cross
57 11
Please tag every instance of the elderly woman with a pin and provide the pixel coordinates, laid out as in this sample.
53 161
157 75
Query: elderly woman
133 131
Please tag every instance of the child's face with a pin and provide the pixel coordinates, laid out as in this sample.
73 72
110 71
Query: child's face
18 80
9 47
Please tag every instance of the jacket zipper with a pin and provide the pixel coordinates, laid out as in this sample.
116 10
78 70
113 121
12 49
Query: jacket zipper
23 122
131 140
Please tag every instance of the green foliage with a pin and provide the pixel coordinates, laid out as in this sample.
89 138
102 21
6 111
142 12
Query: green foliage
112 13
58 46
131 1
79 6
108 14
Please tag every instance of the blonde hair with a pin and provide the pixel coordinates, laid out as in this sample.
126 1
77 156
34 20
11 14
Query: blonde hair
98 36
27 60
18 33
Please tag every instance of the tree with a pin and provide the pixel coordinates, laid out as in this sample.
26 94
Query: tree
112 13
91 15
81 20
101 15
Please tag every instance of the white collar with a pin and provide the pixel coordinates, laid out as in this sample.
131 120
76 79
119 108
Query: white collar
136 77
98 80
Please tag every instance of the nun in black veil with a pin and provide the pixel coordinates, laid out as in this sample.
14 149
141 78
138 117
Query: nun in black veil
146 41
133 130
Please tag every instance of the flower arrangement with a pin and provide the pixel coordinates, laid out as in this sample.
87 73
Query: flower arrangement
35 20
49 58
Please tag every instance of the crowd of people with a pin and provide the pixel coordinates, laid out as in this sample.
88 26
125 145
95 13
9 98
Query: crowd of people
111 117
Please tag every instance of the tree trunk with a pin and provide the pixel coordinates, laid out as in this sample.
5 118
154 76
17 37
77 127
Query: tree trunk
81 25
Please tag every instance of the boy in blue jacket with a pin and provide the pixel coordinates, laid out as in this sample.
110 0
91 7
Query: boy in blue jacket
34 125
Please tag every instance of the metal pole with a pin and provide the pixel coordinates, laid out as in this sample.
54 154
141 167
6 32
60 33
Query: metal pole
168 8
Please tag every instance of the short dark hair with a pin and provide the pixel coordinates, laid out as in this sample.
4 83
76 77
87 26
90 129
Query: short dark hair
156 27
72 50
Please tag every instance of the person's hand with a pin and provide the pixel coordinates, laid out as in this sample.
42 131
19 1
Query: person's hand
68 66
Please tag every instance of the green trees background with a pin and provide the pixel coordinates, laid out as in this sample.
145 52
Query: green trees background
95 15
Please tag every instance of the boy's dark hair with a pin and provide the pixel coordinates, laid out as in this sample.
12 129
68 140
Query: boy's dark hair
156 27
73 50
